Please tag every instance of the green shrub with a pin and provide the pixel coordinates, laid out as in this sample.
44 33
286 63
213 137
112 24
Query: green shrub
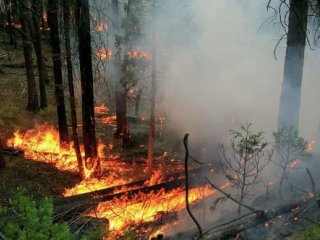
312 233
26 219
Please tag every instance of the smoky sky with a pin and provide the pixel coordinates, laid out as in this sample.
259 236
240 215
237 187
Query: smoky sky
227 73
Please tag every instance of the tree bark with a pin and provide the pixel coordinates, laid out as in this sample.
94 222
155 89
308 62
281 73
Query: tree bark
43 75
27 50
153 95
293 66
57 72
88 116
120 88
73 112
11 30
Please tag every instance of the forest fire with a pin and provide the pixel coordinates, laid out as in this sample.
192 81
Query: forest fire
146 207
104 54
102 109
139 54
42 144
309 148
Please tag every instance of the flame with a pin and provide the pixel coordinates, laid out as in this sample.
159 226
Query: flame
139 54
309 148
293 164
42 144
104 54
102 109
146 207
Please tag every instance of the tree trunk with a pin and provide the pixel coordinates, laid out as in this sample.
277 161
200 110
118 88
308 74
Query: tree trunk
57 72
153 96
43 75
11 30
293 66
138 99
2 162
88 118
76 145
120 88
27 50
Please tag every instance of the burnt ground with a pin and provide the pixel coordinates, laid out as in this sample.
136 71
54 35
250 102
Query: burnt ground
40 179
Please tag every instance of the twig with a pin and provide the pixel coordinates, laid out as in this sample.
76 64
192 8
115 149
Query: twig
185 142
230 197
312 181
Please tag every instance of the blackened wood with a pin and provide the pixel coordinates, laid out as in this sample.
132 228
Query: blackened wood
73 112
85 52
57 71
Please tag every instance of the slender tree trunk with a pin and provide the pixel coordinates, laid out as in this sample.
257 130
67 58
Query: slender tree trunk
57 72
11 29
153 96
120 88
43 75
138 99
88 116
293 66
2 161
76 145
27 50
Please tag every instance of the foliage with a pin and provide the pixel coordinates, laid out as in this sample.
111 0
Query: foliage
244 162
290 147
289 144
26 219
312 233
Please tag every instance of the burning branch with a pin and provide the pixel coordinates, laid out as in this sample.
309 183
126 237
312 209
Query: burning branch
185 142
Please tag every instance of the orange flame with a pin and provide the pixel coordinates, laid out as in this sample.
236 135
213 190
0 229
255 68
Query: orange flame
309 148
43 145
139 54
104 54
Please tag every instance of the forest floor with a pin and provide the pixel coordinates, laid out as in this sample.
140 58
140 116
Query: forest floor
41 179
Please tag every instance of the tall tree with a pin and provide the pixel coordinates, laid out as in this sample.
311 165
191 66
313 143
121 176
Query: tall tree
37 42
153 93
120 88
57 71
88 116
76 145
11 30
25 15
293 66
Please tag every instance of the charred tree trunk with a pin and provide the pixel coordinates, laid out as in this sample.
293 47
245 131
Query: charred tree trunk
120 89
293 66
11 30
88 118
153 95
27 50
57 72
2 162
76 145
43 75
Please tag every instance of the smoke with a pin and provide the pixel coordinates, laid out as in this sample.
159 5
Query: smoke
227 73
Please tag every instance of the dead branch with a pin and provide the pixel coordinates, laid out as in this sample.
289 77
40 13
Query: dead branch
311 180
185 142
230 197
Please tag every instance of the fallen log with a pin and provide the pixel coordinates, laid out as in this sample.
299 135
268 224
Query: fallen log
90 196
70 208
234 227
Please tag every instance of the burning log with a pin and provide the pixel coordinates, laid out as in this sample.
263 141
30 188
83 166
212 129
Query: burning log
67 208
12 151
